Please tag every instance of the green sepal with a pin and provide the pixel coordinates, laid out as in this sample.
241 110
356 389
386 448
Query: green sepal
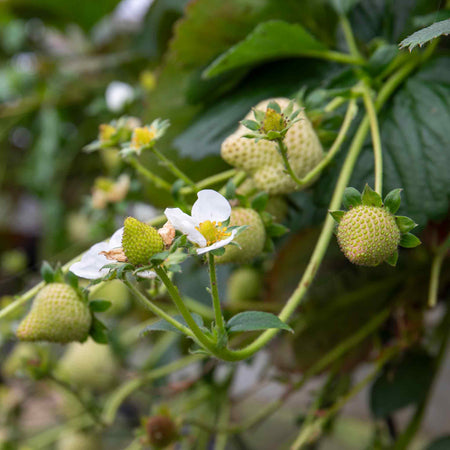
218 251
371 198
275 106
250 124
408 240
351 198
158 258
72 280
337 215
392 260
405 224
259 202
259 114
99 305
98 331
392 200
276 230
47 272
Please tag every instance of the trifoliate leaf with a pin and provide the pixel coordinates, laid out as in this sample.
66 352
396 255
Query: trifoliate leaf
408 240
425 35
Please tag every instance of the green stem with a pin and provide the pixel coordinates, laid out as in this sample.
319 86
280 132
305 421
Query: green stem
148 304
174 169
210 181
224 415
331 55
436 271
283 152
376 139
349 116
155 179
176 297
238 179
350 38
119 395
215 294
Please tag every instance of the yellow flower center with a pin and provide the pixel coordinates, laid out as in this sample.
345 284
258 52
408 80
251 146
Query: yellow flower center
273 121
213 231
106 132
142 136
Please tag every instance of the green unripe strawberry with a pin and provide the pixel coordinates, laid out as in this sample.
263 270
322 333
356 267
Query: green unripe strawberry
251 240
243 285
58 315
262 160
89 365
140 241
161 431
368 235
76 440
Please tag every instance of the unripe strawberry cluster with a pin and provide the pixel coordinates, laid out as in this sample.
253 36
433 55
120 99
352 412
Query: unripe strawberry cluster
262 161
58 315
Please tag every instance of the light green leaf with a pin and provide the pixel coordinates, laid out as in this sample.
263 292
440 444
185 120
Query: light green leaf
427 34
270 40
408 240
392 200
255 320
405 224
371 198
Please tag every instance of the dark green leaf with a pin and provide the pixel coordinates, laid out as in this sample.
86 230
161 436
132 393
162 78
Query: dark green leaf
337 215
392 260
392 200
403 385
408 240
98 331
443 443
276 230
405 224
425 35
255 320
162 325
47 272
371 198
270 40
99 305
351 198
259 202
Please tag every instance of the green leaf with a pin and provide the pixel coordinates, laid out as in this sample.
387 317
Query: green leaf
408 240
371 198
259 202
337 215
427 34
403 385
270 40
255 320
99 305
163 325
351 198
47 272
392 260
98 331
405 224
392 200
250 124
276 230
343 7
442 443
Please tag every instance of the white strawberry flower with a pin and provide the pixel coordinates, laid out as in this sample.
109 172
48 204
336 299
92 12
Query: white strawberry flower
99 255
204 226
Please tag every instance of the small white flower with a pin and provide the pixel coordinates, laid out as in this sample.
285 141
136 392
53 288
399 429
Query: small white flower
91 263
117 95
204 226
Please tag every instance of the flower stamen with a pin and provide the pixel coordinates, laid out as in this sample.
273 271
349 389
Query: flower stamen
212 231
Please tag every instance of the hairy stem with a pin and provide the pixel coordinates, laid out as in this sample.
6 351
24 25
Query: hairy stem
215 294
210 181
150 176
283 152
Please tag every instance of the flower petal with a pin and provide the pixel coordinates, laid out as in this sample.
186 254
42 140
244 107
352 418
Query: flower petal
184 223
91 263
217 244
116 239
210 205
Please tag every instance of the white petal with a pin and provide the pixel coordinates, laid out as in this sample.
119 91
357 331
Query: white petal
147 274
184 223
210 205
91 263
116 239
217 244
117 95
